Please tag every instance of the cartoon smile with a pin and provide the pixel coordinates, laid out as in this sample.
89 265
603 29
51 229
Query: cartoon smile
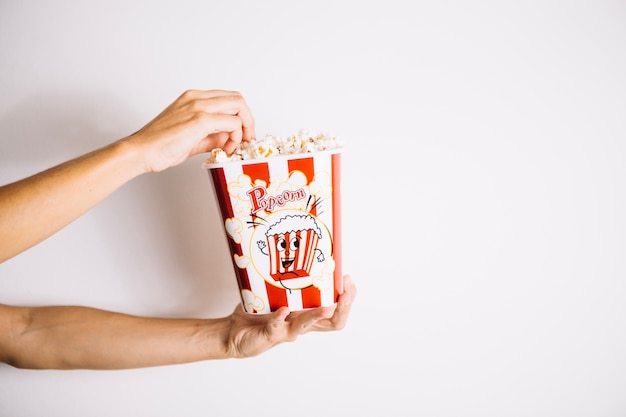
286 262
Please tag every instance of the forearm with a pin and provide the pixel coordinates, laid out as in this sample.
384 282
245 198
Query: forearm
198 121
87 338
38 206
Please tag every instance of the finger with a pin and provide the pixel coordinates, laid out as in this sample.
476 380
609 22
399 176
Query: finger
214 140
349 290
192 94
344 303
341 313
247 124
276 323
225 129
231 144
305 321
225 102
280 315
236 106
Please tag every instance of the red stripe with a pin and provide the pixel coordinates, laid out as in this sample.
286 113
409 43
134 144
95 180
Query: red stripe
311 297
336 174
305 260
258 171
277 296
271 247
310 243
307 167
221 190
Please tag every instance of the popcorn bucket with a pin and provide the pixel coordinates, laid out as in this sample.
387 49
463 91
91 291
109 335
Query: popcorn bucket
282 219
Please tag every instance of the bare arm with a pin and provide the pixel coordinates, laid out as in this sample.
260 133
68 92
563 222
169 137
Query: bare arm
34 208
68 337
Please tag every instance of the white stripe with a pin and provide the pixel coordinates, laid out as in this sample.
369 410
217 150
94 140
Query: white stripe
294 300
278 170
271 247
327 296
323 163
257 283
300 261
309 250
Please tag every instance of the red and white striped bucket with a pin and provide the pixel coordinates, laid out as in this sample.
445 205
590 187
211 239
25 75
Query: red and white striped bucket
282 218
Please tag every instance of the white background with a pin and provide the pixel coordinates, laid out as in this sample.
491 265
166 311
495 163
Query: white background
484 196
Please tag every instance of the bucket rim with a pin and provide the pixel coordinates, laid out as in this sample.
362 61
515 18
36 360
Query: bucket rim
213 165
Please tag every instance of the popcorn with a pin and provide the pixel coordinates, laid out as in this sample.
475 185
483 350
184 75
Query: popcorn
304 141
218 155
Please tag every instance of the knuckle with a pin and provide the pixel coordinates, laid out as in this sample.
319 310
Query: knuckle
188 94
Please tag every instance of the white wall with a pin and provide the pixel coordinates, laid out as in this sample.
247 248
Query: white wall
484 196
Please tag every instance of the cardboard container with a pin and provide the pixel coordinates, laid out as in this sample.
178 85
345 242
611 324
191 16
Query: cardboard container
282 219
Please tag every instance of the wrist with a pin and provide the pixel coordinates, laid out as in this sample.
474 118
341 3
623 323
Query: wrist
130 154
215 337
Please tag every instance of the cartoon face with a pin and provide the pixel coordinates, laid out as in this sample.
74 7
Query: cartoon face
287 247
291 253
292 249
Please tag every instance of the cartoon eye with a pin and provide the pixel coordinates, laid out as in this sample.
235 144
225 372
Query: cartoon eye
294 244
281 244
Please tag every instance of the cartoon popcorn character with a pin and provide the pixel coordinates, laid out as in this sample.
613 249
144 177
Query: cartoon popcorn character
292 247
